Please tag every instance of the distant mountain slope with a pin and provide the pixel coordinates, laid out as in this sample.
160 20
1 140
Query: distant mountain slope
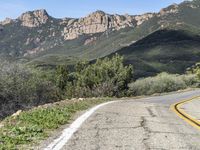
164 50
153 42
35 31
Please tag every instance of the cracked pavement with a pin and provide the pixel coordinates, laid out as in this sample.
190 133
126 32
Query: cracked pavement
141 124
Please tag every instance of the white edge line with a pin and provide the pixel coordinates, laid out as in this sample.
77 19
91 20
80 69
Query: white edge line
67 133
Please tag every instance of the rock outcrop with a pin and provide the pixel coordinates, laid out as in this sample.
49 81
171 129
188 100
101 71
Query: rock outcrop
6 21
169 10
70 28
90 40
34 18
98 22
142 18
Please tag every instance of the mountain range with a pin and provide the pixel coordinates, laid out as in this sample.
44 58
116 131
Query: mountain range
153 42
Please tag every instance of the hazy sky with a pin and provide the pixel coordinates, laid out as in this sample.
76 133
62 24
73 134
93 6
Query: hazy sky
80 8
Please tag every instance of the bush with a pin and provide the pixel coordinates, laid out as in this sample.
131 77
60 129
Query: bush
161 83
195 69
106 77
22 87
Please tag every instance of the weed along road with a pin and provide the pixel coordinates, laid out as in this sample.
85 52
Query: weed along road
135 124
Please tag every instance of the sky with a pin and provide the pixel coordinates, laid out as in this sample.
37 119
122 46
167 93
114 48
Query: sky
81 8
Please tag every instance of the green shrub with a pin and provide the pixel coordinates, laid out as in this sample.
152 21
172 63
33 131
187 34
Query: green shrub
161 83
195 69
106 77
22 87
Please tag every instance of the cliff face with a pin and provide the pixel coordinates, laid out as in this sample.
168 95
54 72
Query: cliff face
98 22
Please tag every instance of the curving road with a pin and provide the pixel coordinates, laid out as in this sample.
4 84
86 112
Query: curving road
141 124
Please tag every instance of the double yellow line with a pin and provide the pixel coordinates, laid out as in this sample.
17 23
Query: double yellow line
182 114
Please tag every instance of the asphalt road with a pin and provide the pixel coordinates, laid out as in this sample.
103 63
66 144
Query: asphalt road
140 124
191 108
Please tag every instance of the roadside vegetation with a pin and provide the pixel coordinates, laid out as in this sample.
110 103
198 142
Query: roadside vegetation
29 127
23 87
162 83
105 77
195 69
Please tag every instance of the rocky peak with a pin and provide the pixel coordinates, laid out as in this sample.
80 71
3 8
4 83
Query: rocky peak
98 17
34 18
169 10
6 21
98 13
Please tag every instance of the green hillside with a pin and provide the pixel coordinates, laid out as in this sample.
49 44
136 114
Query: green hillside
164 50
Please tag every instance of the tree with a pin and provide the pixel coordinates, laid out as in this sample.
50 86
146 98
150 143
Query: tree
22 87
61 77
105 77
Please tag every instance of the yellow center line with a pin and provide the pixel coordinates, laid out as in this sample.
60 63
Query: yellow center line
182 114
